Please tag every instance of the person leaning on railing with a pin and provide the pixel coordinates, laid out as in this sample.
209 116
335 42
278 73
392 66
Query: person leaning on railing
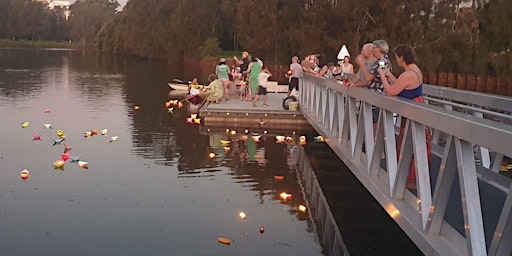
366 62
408 85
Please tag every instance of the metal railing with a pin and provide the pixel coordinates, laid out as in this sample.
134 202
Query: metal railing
458 183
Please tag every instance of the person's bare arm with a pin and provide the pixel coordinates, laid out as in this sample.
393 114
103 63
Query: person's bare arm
401 83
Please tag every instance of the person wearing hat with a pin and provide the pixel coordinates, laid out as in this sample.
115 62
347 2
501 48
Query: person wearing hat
222 72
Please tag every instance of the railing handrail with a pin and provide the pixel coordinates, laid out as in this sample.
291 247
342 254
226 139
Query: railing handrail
491 134
486 100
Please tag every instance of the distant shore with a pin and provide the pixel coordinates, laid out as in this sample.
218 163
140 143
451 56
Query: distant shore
5 43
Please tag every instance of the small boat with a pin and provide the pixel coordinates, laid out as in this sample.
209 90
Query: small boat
178 87
185 87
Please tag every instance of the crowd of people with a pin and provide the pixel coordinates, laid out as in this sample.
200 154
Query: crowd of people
374 72
248 75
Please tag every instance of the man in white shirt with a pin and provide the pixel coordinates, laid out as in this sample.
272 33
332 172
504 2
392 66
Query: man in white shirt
262 87
294 74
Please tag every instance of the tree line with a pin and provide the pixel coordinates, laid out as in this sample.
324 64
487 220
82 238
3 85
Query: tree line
464 36
34 21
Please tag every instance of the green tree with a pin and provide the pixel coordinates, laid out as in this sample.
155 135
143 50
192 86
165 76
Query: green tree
210 48
496 35
4 15
27 20
191 24
87 18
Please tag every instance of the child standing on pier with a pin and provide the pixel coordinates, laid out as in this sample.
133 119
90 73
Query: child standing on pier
262 87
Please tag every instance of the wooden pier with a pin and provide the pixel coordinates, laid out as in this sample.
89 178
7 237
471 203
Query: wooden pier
241 114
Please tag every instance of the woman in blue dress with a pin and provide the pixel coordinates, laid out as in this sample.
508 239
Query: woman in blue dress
408 85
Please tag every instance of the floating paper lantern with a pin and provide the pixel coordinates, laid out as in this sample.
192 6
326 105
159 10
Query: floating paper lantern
60 133
302 208
64 157
59 164
319 138
289 139
136 107
94 132
170 110
104 132
25 124
74 159
48 126
285 196
225 142
87 134
278 177
180 104
83 165
24 174
197 120
37 137
302 140
242 215
167 104
57 141
189 120
211 155
233 132
67 148
280 139
256 138
113 138
193 116
223 240
226 149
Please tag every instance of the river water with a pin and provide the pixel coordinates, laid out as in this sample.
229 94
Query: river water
153 191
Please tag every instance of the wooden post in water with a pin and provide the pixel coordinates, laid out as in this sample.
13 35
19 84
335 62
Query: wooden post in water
452 80
443 79
461 81
471 82
433 78
480 83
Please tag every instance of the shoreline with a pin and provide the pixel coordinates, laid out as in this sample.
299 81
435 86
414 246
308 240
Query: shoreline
7 43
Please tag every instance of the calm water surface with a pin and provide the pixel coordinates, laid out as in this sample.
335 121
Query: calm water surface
154 191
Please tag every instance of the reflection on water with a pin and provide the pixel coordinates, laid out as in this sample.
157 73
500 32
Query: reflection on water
154 191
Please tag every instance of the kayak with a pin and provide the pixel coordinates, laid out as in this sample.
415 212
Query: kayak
185 87
178 87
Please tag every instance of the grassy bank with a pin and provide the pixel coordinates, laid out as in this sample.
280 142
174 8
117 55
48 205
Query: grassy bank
4 43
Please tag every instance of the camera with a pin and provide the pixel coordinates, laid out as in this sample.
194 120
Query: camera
382 65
